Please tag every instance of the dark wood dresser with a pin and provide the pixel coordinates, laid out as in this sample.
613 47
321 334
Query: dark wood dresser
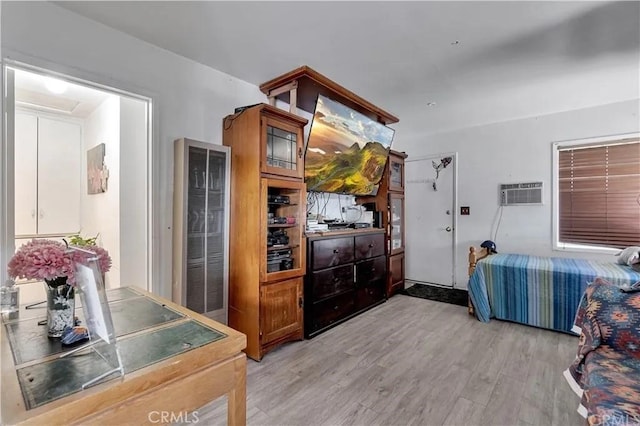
346 275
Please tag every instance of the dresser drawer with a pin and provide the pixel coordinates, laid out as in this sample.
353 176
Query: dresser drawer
371 245
368 296
331 281
370 271
331 252
331 310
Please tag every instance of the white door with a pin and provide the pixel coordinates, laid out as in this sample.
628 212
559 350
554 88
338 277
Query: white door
430 218
59 149
26 173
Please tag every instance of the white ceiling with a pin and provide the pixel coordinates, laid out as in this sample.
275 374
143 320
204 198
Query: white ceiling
77 101
480 62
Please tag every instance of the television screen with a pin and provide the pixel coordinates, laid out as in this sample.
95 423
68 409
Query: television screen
346 151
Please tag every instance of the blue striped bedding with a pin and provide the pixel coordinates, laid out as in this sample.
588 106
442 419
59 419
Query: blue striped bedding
540 291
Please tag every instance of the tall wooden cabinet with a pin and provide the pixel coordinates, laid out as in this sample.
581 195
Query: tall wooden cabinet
200 231
389 201
268 209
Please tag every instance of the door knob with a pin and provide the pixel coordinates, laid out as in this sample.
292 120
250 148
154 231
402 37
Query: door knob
448 229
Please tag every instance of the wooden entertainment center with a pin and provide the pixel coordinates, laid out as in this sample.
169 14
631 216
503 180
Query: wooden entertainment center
344 273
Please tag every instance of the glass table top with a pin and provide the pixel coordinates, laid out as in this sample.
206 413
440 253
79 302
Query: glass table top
133 313
147 332
47 381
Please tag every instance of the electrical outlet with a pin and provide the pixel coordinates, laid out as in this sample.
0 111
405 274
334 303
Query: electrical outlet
464 211
344 210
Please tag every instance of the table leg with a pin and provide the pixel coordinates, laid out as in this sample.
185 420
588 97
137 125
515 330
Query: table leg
237 398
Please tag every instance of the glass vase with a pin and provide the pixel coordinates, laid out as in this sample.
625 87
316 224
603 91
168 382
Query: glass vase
60 306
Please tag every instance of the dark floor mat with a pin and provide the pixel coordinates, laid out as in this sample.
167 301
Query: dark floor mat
439 294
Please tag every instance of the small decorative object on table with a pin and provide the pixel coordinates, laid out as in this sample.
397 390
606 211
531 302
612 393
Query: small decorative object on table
9 296
74 335
53 262
60 305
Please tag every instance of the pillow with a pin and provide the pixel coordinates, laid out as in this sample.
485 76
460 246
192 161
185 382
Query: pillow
629 256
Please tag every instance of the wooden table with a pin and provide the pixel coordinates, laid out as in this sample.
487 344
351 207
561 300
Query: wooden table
168 391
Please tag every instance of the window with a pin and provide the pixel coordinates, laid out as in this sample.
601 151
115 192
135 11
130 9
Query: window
598 193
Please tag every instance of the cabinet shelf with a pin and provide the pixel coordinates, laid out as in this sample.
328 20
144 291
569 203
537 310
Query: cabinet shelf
271 203
282 225
202 191
203 234
283 247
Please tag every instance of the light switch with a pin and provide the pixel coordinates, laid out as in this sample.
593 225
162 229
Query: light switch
464 211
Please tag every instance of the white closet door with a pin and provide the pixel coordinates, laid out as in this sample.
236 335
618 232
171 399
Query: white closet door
59 150
26 173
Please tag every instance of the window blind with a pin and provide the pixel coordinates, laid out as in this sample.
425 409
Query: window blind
599 194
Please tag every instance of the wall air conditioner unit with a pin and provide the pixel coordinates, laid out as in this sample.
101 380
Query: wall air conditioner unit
521 194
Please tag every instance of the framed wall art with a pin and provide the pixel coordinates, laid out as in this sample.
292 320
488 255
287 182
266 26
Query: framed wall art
97 172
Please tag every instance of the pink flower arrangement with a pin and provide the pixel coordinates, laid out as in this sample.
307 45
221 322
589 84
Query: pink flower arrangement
104 260
47 260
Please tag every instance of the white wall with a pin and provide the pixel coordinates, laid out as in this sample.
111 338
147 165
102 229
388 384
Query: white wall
511 152
133 192
330 206
100 212
189 99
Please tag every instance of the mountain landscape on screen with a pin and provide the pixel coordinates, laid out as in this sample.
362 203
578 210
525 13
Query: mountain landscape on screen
346 152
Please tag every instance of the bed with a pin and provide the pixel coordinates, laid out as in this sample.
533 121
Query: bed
540 291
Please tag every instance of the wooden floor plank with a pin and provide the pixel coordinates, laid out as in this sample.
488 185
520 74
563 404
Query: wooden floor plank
503 407
464 412
413 361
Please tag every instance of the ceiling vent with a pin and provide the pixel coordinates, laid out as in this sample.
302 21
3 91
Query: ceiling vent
521 194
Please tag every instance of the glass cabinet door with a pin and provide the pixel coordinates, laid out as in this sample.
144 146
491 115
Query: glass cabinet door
396 223
281 148
196 213
206 203
396 173
214 281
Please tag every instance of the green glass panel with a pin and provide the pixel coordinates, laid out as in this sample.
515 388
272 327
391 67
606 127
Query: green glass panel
29 340
45 382
37 310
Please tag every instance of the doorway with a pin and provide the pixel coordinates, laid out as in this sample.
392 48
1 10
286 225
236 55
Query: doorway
77 163
431 205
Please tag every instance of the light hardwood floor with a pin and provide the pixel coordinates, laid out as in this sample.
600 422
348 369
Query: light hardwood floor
412 361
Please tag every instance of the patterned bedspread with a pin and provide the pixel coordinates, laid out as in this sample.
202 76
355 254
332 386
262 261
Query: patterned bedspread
606 371
540 291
